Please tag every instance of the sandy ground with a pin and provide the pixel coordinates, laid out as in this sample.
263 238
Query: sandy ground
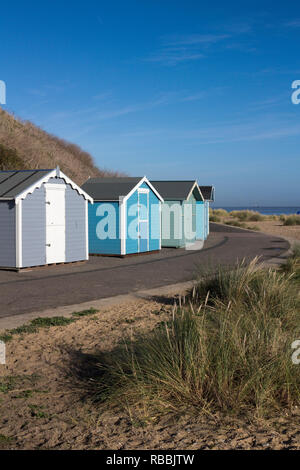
273 227
43 407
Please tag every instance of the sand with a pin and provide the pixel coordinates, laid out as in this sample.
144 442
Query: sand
42 406
275 227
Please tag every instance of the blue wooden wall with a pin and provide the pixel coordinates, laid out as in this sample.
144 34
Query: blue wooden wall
154 221
96 220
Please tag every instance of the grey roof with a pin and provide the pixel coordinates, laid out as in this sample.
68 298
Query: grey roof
178 190
208 192
109 189
12 183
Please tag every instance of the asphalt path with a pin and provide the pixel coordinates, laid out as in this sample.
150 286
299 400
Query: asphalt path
100 277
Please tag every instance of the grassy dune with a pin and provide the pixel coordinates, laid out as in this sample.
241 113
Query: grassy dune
25 146
241 218
227 349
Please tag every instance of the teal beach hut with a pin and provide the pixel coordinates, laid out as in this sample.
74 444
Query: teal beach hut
179 212
125 218
208 193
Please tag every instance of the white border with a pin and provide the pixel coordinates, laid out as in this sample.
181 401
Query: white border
160 225
143 180
143 191
87 229
192 189
56 173
122 223
18 215
74 186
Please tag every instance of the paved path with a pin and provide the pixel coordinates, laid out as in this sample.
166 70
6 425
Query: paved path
102 277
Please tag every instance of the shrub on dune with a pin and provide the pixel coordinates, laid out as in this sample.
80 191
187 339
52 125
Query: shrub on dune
292 220
247 215
219 212
228 350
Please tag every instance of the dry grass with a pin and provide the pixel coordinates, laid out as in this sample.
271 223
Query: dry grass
25 146
278 225
43 406
292 220
228 350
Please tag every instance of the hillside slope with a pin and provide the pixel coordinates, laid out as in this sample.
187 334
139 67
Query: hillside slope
25 146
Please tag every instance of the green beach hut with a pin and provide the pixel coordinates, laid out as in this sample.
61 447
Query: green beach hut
179 212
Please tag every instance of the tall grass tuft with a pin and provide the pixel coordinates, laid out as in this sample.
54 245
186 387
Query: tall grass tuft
292 264
219 212
227 350
292 220
247 215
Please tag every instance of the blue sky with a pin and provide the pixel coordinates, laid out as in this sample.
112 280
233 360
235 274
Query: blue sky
167 89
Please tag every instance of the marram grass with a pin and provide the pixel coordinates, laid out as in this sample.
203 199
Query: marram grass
227 350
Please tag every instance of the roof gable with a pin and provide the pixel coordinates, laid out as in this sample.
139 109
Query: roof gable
176 190
17 184
13 183
112 189
109 189
208 193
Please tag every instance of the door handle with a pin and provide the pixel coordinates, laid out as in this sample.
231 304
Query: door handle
48 244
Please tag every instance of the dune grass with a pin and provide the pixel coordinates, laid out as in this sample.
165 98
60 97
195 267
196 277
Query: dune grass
235 223
228 349
214 218
219 212
247 215
292 220
292 265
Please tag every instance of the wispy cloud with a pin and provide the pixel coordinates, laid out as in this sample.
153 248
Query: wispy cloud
293 24
194 39
256 130
173 56
83 121
176 49
36 92
102 96
226 133
195 97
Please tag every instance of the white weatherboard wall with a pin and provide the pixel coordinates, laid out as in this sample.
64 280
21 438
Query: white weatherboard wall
33 230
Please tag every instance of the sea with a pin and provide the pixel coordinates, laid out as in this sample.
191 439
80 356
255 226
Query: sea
263 209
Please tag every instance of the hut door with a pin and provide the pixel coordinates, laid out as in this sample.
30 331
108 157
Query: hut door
55 223
143 219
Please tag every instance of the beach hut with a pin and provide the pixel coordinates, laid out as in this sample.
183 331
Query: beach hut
43 219
125 218
179 217
208 193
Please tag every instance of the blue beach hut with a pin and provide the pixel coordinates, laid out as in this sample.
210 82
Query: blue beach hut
125 218
208 193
